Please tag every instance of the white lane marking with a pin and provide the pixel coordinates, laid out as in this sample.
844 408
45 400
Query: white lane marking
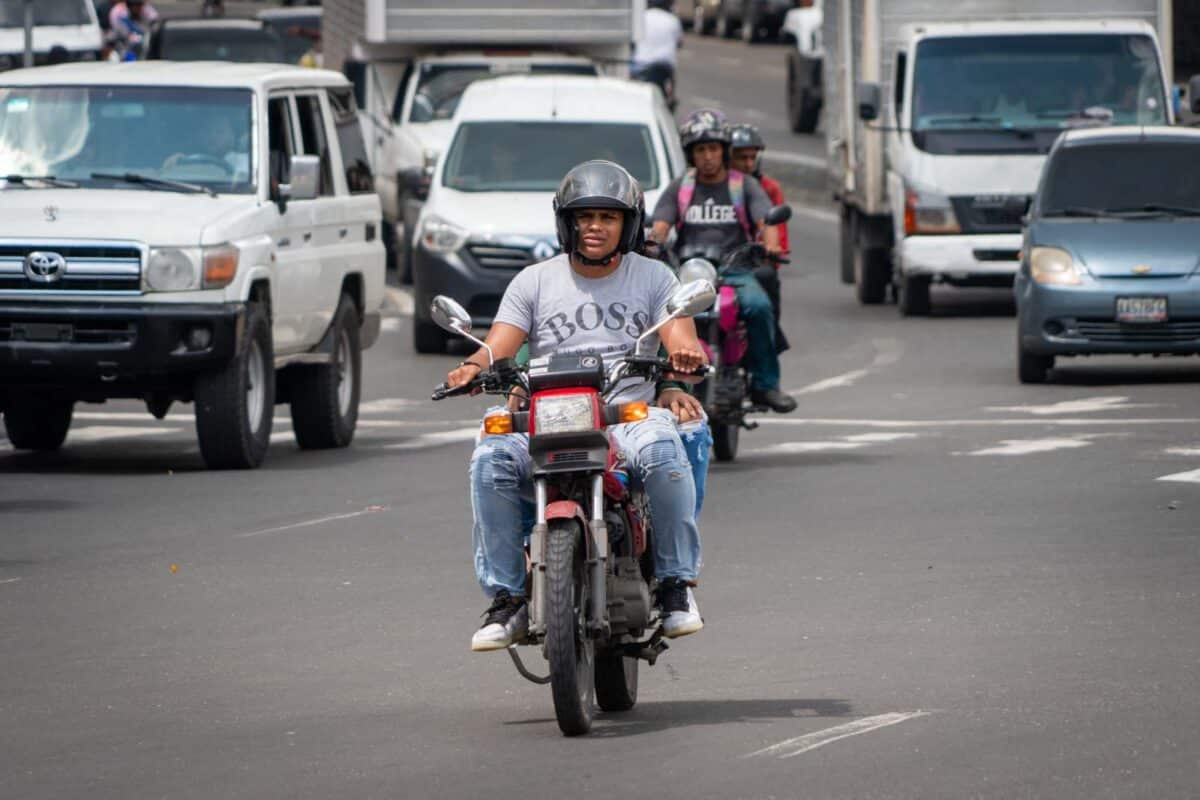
790 748
10 580
390 325
387 404
792 448
427 440
967 423
310 522
815 213
753 113
873 438
730 61
1182 477
887 352
801 159
99 433
706 101
1182 451
1024 447
1082 406
400 299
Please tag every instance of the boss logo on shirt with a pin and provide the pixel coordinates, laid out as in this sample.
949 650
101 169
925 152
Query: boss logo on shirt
591 316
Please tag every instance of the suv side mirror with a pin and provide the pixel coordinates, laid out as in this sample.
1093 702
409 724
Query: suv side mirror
306 174
1194 94
869 98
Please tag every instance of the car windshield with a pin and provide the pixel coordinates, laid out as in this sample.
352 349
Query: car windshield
1121 177
220 44
298 33
45 12
200 136
534 156
968 89
441 85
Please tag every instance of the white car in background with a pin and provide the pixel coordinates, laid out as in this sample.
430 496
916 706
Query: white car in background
489 213
70 25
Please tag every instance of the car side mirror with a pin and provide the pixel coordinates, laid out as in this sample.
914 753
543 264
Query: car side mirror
691 299
778 215
1194 94
869 97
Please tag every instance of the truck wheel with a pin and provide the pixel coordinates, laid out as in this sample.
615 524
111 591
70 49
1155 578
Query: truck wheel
235 404
1033 368
427 337
38 421
872 273
913 299
616 681
846 231
324 397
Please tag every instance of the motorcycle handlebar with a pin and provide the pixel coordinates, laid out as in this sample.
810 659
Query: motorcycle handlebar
442 391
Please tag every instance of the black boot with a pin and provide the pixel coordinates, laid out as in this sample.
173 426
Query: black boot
773 399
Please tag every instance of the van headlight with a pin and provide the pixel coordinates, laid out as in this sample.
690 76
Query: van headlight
1053 266
440 236
173 269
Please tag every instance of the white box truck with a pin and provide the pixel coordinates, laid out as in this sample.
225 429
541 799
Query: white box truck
939 117
412 60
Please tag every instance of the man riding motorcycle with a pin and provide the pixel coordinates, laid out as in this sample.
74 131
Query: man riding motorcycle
596 297
654 52
712 206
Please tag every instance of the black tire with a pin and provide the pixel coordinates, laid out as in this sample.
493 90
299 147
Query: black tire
324 397
428 337
1033 368
912 295
406 262
235 404
725 440
38 421
804 111
616 682
568 647
846 253
872 274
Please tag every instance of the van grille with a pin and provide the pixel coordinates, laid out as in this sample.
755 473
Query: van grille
91 267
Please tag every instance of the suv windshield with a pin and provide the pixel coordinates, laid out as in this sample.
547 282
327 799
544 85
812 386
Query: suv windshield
976 94
45 12
440 86
218 43
534 156
1121 177
199 136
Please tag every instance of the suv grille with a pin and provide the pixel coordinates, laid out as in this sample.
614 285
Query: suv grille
108 267
990 214
501 256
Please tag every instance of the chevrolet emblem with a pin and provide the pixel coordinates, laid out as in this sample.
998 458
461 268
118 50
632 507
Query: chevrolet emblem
1140 269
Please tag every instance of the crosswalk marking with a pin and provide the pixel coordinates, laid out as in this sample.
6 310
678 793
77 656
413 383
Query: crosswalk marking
1024 447
1080 406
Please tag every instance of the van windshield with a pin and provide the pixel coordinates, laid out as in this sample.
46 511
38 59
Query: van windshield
534 156
45 12
441 86
1004 93
200 136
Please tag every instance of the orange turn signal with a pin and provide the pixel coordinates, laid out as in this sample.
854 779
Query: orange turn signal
498 424
634 412
220 266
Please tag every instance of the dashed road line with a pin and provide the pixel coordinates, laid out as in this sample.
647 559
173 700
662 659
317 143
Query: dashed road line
1024 447
310 522
10 580
790 748
887 352
1081 406
1182 477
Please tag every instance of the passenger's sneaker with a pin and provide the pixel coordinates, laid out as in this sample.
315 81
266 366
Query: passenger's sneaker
506 621
680 614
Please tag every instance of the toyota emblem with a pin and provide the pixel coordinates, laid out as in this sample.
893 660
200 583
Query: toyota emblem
44 267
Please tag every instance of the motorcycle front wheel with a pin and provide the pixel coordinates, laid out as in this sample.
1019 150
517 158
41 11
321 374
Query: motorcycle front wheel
725 440
568 646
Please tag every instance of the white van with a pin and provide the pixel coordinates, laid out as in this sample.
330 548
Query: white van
490 213
68 24
190 231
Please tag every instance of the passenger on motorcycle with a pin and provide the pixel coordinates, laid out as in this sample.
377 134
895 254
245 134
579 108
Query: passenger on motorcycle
129 20
713 206
596 297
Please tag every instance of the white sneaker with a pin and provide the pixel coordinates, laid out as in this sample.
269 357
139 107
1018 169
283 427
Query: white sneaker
506 621
681 614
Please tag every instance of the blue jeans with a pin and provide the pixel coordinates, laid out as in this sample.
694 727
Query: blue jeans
502 501
754 308
697 442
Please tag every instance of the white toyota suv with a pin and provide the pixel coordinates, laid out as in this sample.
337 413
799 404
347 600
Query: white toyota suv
203 232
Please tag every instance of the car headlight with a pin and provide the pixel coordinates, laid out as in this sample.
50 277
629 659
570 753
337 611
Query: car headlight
172 269
564 413
440 236
927 212
1053 266
697 269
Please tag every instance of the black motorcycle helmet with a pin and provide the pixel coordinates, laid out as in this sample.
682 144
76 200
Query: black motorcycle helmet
745 135
705 125
599 184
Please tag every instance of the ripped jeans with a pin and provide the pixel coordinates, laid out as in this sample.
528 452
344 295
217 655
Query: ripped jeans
502 501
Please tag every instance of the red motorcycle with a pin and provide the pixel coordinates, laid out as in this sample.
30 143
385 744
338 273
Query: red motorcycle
591 565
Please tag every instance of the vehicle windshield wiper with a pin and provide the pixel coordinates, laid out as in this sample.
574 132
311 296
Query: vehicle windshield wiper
155 183
937 120
1158 208
49 180
1077 211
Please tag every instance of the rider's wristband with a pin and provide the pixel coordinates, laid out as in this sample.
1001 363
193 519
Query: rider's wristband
475 364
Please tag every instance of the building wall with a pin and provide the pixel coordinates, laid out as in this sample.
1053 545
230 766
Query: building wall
343 23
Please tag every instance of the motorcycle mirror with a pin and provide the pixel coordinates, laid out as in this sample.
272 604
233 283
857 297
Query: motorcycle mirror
450 315
778 215
691 299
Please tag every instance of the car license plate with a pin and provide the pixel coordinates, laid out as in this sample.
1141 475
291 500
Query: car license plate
1141 309
41 332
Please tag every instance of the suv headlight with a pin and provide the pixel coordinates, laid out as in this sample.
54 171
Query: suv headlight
927 212
440 236
173 269
1053 266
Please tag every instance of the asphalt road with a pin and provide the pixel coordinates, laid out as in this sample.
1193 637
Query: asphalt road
929 581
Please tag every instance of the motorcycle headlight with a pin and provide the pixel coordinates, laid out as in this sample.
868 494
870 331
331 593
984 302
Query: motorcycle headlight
172 269
697 269
564 413
1053 266
440 236
927 212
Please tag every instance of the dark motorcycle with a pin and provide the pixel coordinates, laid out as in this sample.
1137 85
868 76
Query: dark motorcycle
662 75
726 394
591 565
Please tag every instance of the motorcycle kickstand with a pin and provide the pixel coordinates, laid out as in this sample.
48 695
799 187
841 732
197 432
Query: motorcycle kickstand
651 650
525 673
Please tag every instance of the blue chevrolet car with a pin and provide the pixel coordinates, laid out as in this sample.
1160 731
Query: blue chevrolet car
1112 249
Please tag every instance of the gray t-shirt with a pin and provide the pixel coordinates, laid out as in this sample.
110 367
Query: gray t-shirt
565 312
710 220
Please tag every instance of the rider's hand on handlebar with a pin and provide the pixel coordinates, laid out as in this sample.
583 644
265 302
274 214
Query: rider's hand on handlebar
463 374
685 407
686 359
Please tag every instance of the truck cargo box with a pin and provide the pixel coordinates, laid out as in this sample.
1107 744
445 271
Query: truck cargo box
503 22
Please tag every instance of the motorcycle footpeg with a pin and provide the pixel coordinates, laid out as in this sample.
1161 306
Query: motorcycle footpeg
749 424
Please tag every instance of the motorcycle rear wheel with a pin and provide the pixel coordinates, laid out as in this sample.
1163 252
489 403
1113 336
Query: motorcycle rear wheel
616 681
568 647
725 440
